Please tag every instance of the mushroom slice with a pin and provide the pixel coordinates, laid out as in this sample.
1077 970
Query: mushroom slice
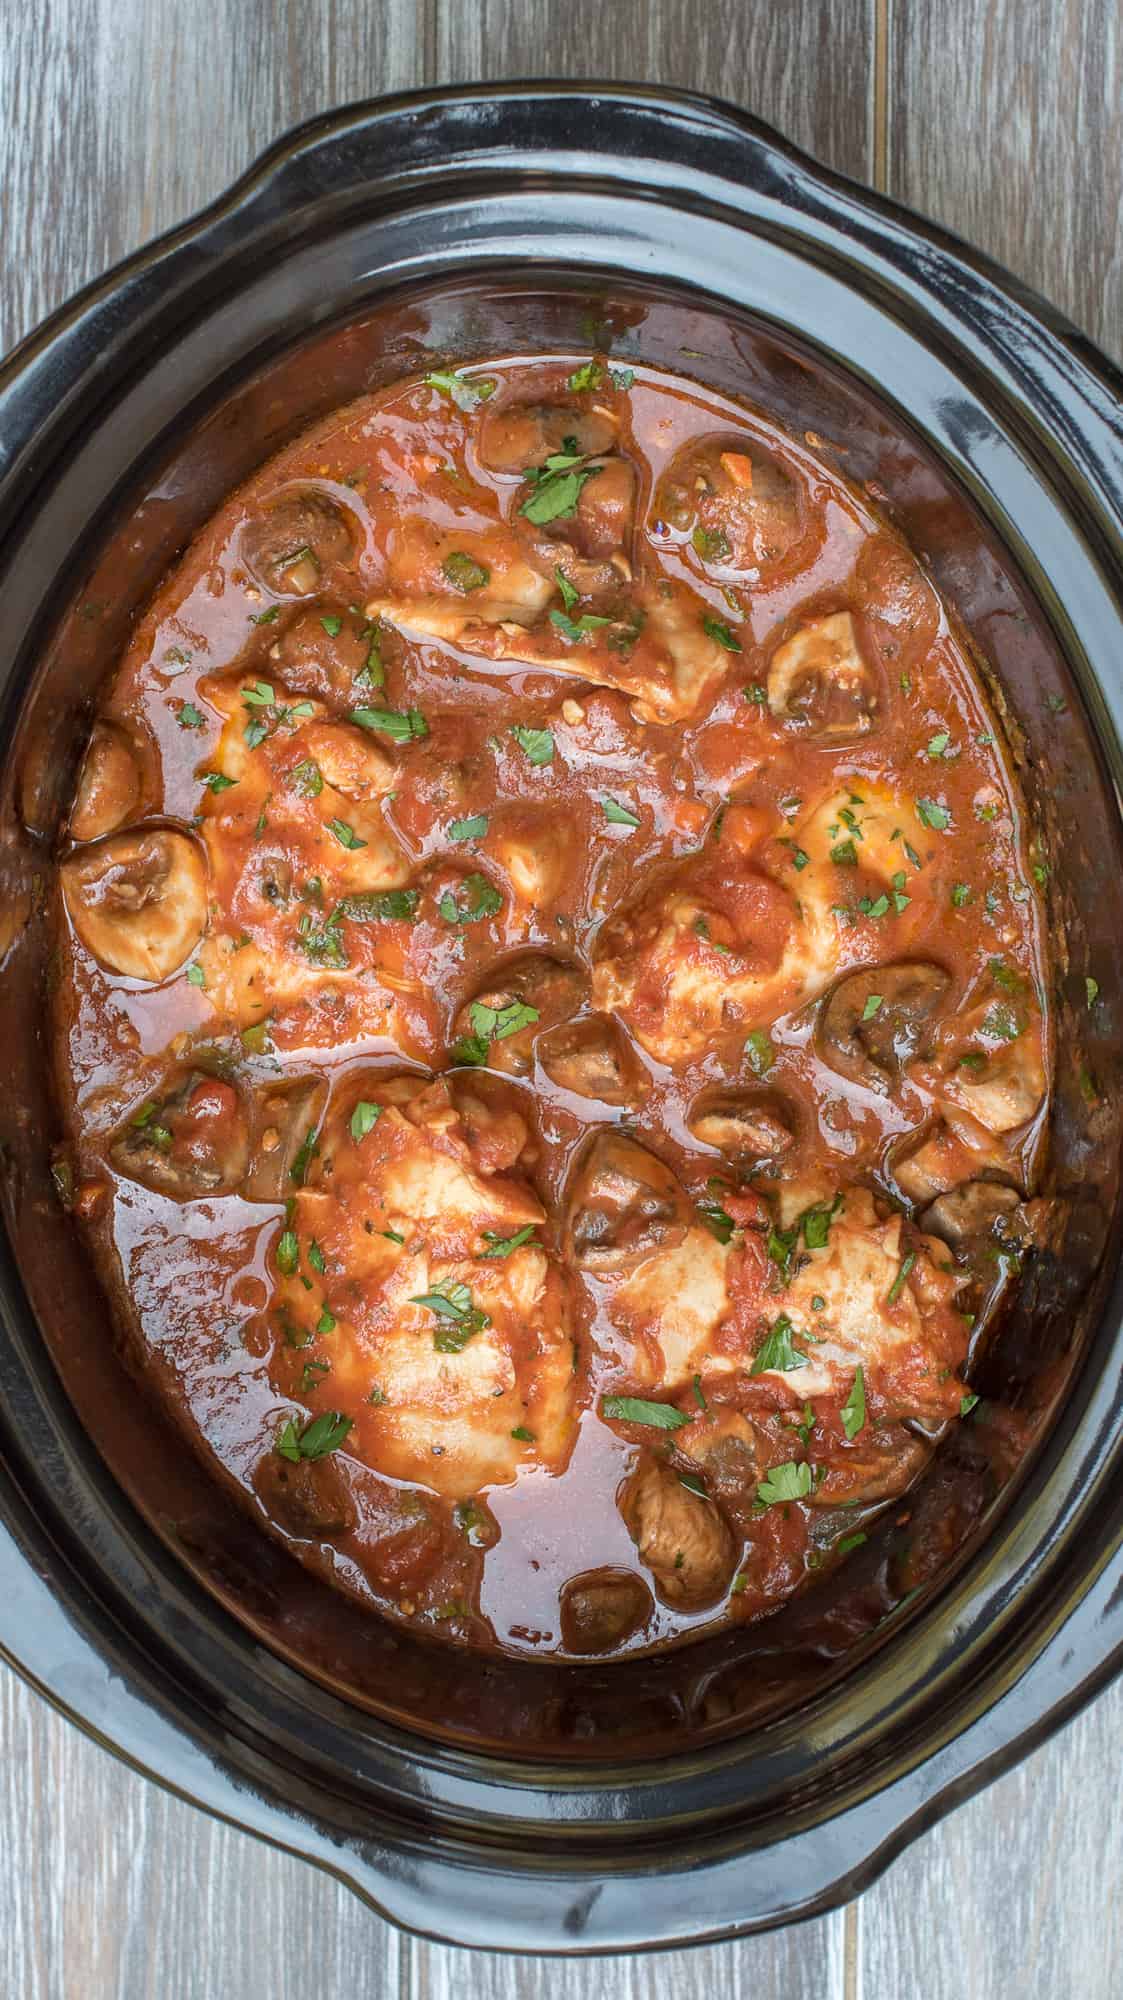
623 1204
681 1537
874 1021
819 681
601 1609
741 509
309 1500
745 1125
955 1149
528 994
288 1117
593 1058
138 900
294 539
109 784
515 436
971 1210
192 1140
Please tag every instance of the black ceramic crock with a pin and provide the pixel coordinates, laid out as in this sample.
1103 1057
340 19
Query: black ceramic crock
446 225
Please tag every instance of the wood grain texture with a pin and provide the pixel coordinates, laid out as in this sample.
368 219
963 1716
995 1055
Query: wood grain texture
1006 123
119 117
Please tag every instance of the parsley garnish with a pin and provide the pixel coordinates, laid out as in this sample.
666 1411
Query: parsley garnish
777 1351
346 835
537 743
323 1435
616 814
636 1410
465 393
930 813
717 629
854 1408
792 1481
898 1285
557 488
379 906
716 1220
457 1318
469 829
759 1052
189 717
483 900
502 1246
401 727
364 1118
464 572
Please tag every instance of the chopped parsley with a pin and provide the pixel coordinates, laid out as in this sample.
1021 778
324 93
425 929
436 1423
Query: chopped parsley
522 1434
323 1435
898 1285
538 744
778 1351
854 1408
364 1118
711 544
636 1410
464 572
960 895
457 1318
306 779
1092 990
379 906
930 813
332 624
718 630
468 829
759 1052
848 1542
844 854
616 814
938 747
716 1220
217 781
792 1481
189 717
464 392
402 726
481 900
346 835
556 488
503 1246
569 592
967 1404
873 1004
574 629
304 1156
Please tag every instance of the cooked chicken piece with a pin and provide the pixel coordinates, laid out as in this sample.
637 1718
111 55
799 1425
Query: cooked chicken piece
746 1125
529 849
441 582
191 1140
109 784
741 510
714 949
440 1325
681 1538
622 1204
874 1022
818 680
670 1307
522 999
295 540
515 436
288 1114
592 1058
302 863
601 1609
138 900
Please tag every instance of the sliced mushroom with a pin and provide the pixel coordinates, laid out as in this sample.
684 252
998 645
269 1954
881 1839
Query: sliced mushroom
740 507
542 988
971 1210
745 1125
286 1114
878 1465
138 900
308 1500
819 681
605 513
601 1609
682 1538
293 541
955 1149
516 436
593 1058
192 1140
1007 1087
109 784
874 1021
623 1204
316 659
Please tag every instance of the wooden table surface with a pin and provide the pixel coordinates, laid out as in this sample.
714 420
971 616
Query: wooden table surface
1004 118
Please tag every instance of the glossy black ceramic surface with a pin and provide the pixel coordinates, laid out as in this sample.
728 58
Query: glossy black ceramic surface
453 224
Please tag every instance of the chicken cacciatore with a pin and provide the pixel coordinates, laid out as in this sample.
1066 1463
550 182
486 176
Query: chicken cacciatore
550 1016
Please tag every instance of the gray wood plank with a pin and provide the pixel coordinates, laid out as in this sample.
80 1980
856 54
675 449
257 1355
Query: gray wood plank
1017 1893
110 1889
1006 122
805 67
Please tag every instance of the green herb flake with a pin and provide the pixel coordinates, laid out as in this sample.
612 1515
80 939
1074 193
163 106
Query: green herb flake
575 629
364 1118
217 781
569 592
464 573
467 393
379 906
618 815
318 1439
504 1246
469 829
792 1481
844 854
481 900
931 813
196 976
960 895
871 1007
716 629
848 1542
699 1396
636 1410
938 747
522 1434
189 717
346 835
556 491
778 1353
759 1052
401 726
332 624
1092 990
537 744
304 1157
967 1404
714 1218
265 617
898 1285
288 1253
854 1408
711 544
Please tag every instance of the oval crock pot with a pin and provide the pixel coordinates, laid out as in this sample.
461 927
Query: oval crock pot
445 224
